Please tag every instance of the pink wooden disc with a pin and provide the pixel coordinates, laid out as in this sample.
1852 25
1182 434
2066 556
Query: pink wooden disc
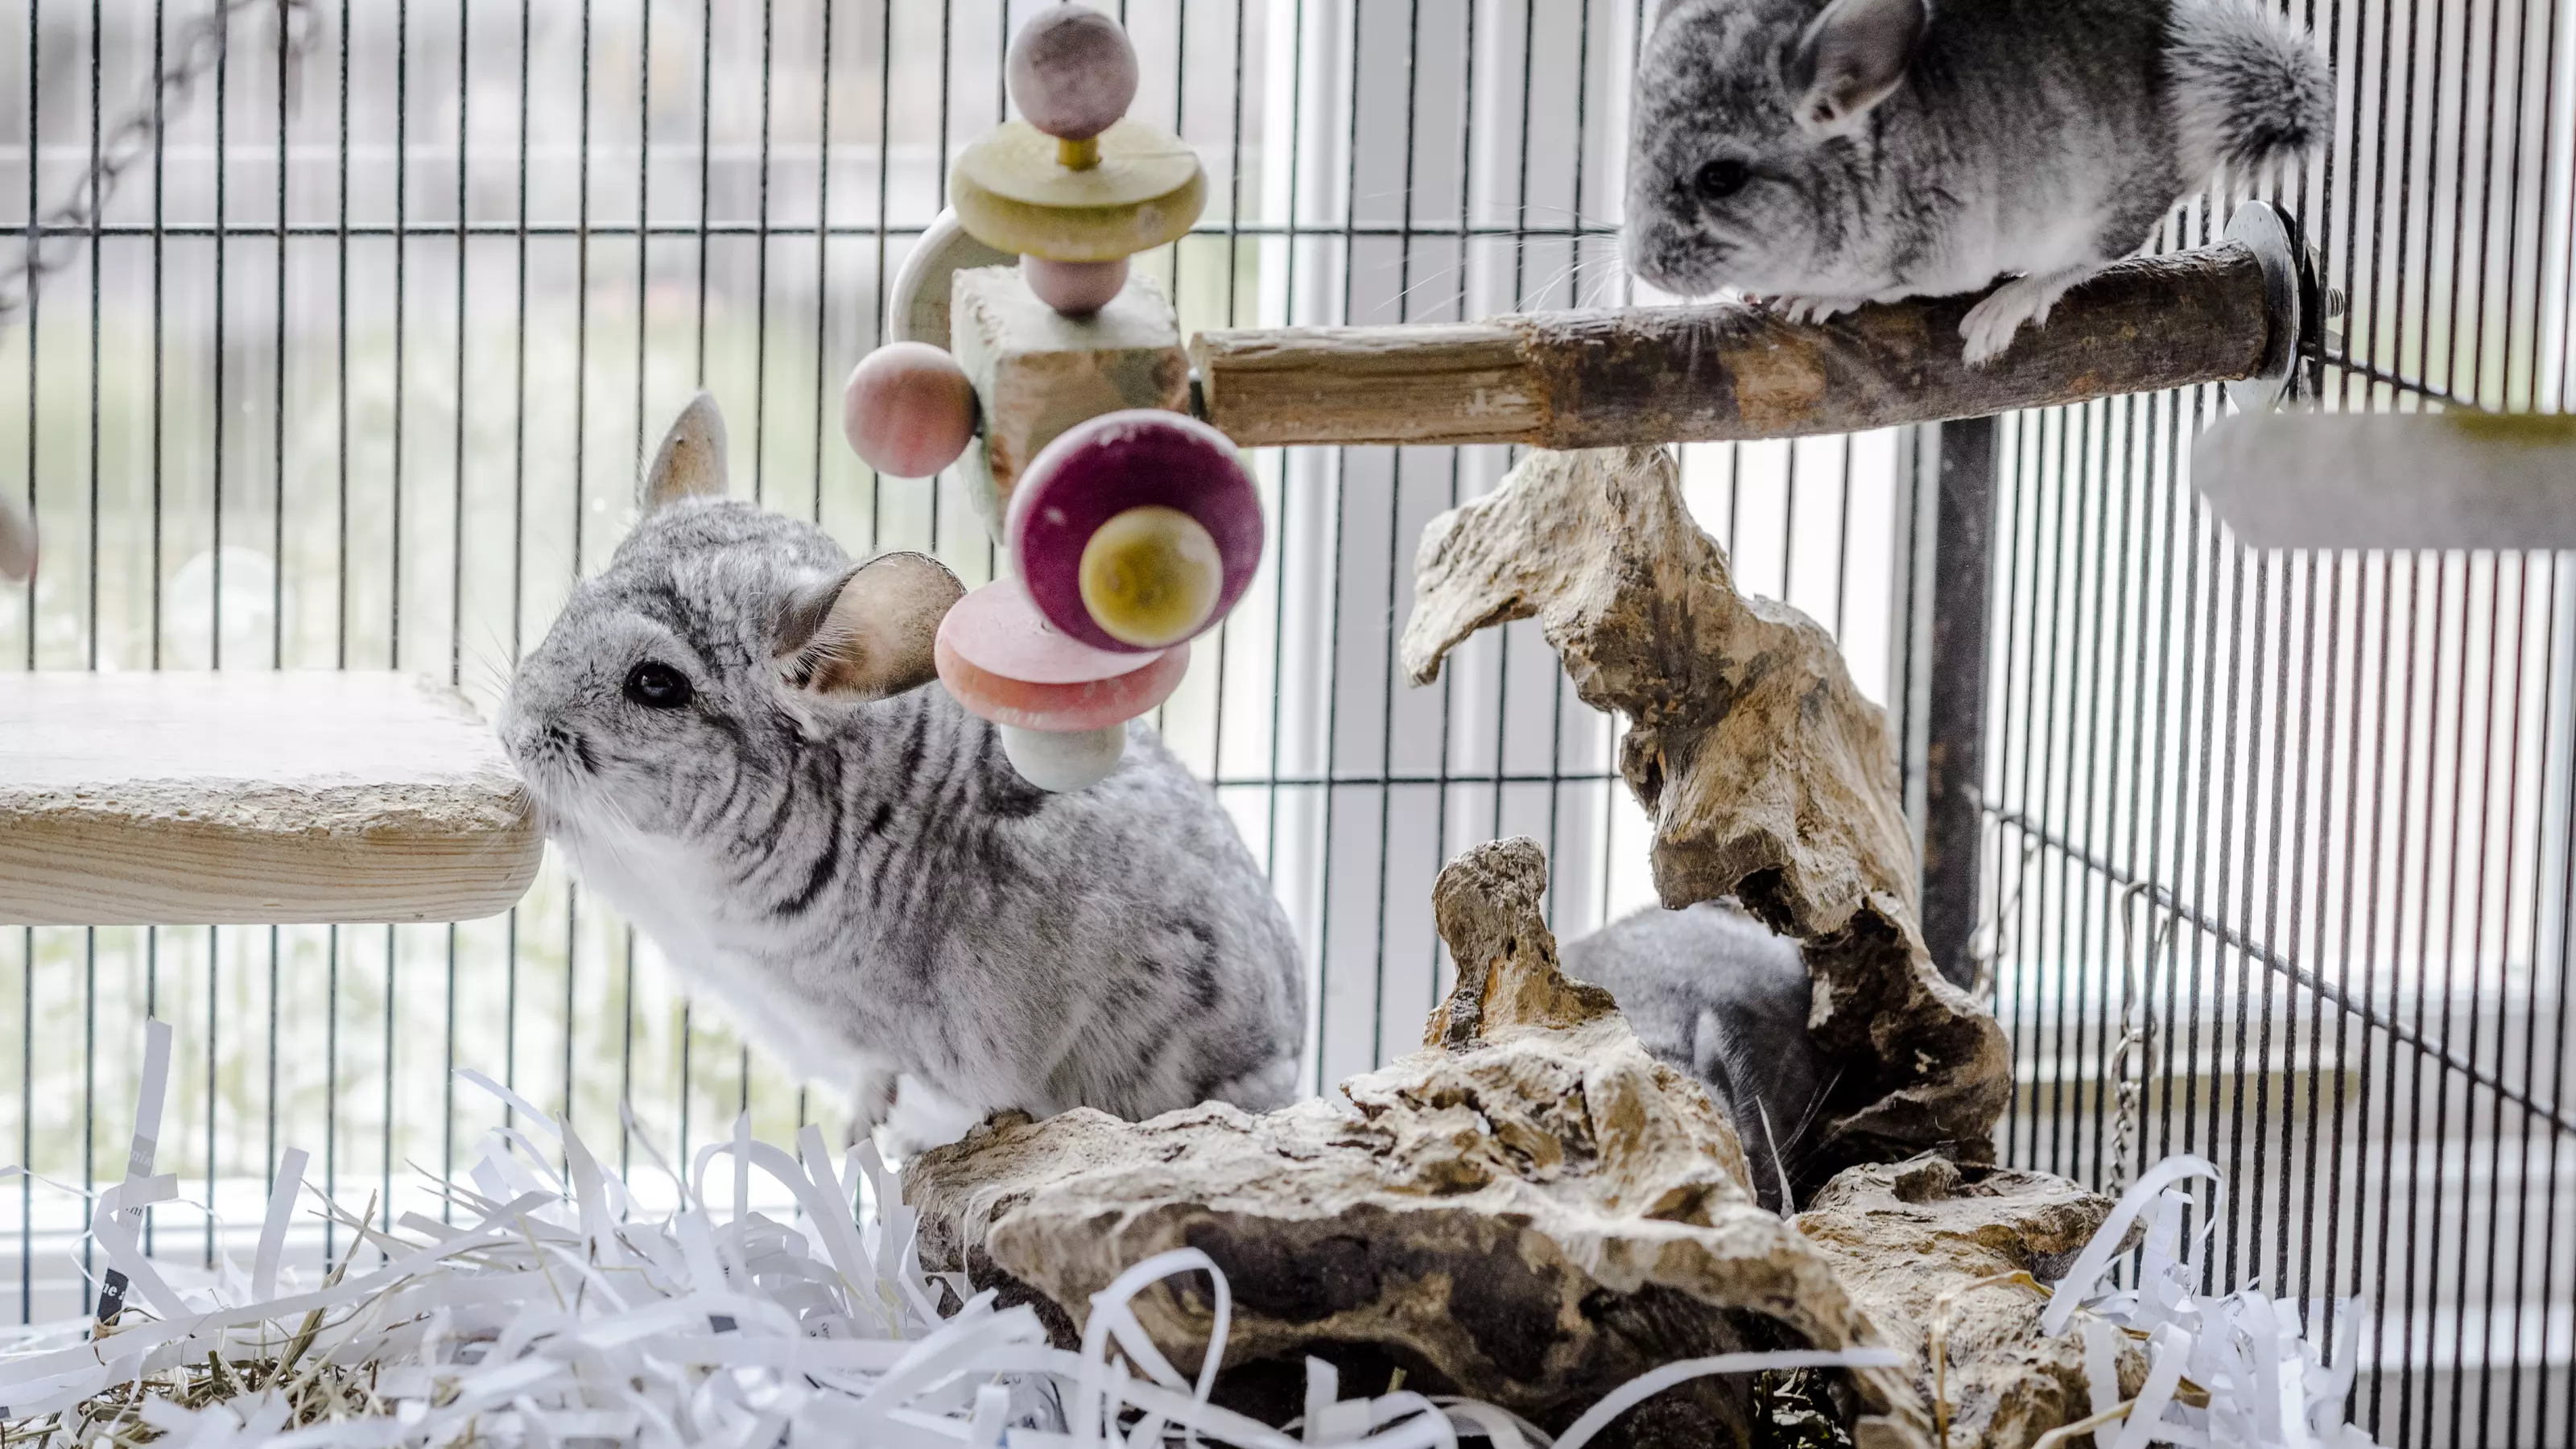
998 628
998 656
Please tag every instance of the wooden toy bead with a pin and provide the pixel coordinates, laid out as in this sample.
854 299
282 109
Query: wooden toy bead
908 409
1004 663
1077 289
917 303
997 628
1073 74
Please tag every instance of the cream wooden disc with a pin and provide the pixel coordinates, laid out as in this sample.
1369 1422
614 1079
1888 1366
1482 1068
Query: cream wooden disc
1012 193
1138 162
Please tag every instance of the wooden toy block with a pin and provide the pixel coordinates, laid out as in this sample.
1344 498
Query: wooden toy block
1038 372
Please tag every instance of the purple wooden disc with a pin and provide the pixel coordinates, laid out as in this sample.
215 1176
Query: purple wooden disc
1104 466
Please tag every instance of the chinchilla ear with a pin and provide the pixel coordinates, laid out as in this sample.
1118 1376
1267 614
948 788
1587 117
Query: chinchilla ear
1852 57
868 634
691 462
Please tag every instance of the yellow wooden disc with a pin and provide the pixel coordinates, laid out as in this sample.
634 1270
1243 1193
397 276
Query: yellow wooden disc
1011 192
1151 576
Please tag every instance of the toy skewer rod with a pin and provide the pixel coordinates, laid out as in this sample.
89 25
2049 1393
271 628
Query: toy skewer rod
1734 370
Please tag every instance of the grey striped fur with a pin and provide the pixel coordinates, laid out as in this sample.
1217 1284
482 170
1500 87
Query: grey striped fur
1715 993
866 883
2038 139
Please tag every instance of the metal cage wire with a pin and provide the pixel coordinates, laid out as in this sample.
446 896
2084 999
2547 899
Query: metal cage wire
355 367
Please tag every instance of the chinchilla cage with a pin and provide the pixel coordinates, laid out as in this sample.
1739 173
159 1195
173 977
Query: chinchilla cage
336 335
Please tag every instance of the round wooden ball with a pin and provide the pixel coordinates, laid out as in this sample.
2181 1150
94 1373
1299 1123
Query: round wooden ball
1076 289
908 409
1072 71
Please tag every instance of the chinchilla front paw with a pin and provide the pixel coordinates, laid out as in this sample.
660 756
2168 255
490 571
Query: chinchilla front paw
1811 309
1990 325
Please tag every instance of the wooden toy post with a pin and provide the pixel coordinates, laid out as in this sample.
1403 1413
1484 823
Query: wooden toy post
1035 352
1127 527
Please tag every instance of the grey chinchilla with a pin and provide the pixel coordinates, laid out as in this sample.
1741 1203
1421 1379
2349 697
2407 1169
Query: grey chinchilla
1715 993
1827 155
737 738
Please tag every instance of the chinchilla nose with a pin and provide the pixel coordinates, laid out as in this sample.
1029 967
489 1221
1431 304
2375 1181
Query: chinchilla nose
515 723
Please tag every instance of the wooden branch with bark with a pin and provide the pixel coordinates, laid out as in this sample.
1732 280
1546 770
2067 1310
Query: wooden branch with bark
1636 375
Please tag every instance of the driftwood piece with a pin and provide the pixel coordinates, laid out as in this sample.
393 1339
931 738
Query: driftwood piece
1903 1236
1769 777
254 797
1730 370
1531 1211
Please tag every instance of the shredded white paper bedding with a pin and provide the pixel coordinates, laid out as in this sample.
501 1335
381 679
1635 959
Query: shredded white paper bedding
2268 1386
554 1314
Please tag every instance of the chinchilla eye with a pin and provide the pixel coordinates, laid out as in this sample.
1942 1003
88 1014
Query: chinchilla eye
656 685
1718 180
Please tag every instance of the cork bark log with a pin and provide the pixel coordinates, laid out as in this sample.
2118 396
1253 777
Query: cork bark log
1904 1236
1642 375
1530 1210
1767 775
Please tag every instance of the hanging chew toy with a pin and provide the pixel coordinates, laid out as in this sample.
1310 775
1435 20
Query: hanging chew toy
1127 527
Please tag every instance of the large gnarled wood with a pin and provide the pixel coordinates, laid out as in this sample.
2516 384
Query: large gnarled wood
1904 1236
253 797
1768 776
1730 370
1530 1210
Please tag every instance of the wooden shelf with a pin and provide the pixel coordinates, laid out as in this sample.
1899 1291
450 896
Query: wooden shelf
254 797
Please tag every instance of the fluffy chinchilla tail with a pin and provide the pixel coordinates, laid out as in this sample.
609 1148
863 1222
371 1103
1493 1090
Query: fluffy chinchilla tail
2250 92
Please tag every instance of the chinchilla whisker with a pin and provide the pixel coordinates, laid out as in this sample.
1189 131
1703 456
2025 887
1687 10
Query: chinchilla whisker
1771 1139
1533 293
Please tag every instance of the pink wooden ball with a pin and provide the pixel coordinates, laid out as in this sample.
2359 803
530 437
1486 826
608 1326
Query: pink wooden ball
1077 289
1072 71
908 409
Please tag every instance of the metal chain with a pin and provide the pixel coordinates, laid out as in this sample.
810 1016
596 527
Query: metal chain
54 240
201 46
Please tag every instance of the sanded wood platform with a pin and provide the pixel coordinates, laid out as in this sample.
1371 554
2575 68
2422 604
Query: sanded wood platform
253 797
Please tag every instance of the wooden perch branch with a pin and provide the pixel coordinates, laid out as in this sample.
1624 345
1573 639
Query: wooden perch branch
1642 375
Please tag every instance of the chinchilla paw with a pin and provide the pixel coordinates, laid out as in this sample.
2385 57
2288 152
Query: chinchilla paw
1990 325
1811 309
